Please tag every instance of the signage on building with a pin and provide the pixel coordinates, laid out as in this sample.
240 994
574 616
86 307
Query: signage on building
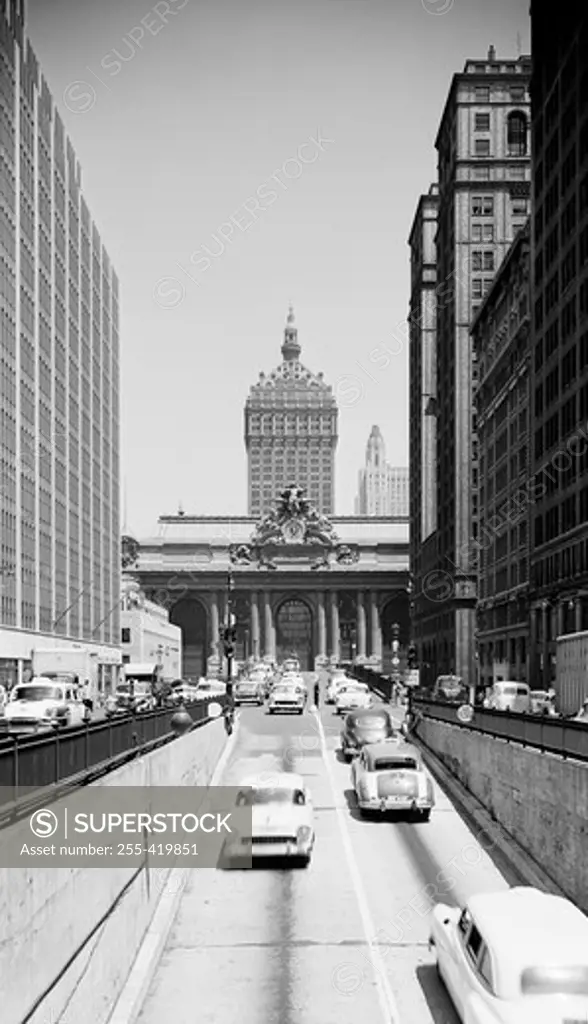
412 677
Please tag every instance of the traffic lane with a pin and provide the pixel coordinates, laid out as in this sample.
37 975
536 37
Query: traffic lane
237 940
408 868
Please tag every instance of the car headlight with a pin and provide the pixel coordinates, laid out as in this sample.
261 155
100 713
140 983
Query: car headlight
304 833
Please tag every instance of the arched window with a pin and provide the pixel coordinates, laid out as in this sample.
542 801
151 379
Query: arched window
516 133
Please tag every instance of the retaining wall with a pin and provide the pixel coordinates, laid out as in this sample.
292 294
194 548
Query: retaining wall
47 913
539 798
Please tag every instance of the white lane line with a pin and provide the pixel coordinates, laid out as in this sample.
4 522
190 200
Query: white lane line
390 1012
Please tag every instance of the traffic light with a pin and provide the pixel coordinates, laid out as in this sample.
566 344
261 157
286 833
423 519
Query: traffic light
411 656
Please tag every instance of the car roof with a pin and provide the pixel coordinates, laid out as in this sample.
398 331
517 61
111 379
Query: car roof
391 748
368 713
525 927
281 780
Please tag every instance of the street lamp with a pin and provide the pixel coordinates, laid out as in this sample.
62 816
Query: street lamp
228 634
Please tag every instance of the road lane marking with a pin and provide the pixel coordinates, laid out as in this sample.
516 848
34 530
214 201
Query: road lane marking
390 1012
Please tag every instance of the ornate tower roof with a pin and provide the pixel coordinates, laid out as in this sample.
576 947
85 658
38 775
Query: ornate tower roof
290 346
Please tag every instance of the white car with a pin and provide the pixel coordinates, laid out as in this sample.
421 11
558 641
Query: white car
44 702
351 696
210 688
337 680
389 776
287 697
281 819
514 957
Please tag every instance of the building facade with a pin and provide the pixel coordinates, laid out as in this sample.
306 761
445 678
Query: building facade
422 321
290 432
327 589
147 635
484 169
382 489
559 563
502 344
59 352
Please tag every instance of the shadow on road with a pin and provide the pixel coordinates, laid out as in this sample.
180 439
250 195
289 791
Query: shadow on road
436 995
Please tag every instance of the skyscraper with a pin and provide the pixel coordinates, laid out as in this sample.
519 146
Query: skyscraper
291 432
484 189
382 489
59 348
559 361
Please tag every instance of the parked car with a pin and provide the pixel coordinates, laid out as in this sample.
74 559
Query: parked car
351 696
44 702
513 957
389 777
509 695
367 725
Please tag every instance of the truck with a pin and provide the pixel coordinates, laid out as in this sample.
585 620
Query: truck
571 672
76 665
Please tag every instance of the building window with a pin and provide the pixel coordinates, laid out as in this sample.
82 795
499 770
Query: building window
516 133
482 123
482 147
482 206
125 635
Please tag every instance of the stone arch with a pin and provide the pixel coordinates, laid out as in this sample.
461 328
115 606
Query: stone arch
293 619
191 616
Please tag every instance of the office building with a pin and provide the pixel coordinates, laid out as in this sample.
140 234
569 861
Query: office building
59 351
290 432
483 148
147 635
382 489
559 561
423 424
502 344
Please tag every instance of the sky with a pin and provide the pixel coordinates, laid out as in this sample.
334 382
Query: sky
238 157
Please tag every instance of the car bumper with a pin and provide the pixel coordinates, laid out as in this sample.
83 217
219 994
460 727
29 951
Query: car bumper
287 707
395 803
266 846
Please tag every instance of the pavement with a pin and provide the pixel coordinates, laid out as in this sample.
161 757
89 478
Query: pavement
345 939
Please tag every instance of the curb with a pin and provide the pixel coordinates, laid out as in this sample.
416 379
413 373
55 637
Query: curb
130 1002
518 860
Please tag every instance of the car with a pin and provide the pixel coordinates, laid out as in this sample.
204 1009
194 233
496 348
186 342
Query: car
45 703
210 688
291 665
542 703
281 819
513 957
390 777
337 680
367 725
351 696
287 697
249 691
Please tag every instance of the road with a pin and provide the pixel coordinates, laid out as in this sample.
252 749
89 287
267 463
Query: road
342 941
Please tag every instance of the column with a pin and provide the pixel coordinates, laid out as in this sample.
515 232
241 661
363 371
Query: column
335 636
361 626
322 625
255 634
578 613
376 641
269 626
545 637
560 619
532 649
214 624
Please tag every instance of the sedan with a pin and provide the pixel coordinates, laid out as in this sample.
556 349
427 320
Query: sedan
352 695
366 726
337 680
390 777
287 698
281 820
514 957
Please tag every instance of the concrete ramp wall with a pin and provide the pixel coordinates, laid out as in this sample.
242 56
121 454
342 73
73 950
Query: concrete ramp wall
46 915
539 798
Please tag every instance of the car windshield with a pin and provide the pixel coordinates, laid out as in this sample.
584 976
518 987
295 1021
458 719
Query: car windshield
389 764
37 693
561 981
509 691
370 721
255 797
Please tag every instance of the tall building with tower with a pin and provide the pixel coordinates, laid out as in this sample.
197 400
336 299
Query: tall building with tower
483 146
290 432
382 489
59 351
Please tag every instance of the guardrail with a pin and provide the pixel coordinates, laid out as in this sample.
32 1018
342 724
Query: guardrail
375 680
560 736
34 761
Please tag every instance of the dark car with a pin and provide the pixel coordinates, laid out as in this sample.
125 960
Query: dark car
367 725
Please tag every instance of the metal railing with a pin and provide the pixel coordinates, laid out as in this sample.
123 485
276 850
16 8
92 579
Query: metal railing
44 759
381 685
560 736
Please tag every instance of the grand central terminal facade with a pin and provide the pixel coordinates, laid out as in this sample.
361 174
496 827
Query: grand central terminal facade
326 589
